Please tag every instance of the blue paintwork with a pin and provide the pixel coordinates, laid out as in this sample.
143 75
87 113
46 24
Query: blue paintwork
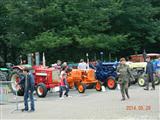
105 70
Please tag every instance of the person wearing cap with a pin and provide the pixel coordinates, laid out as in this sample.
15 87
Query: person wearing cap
28 82
124 75
149 72
82 65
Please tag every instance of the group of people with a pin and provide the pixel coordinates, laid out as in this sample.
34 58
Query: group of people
124 74
28 83
123 71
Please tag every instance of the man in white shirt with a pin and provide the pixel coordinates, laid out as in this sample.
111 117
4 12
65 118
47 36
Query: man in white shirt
82 65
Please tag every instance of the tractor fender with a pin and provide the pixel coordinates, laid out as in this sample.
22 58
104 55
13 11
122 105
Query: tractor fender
18 67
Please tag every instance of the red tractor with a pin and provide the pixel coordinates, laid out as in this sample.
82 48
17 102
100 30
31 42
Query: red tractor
45 79
48 78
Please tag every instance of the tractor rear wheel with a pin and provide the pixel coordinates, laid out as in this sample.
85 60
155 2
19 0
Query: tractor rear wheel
111 83
156 80
15 78
98 86
41 90
81 88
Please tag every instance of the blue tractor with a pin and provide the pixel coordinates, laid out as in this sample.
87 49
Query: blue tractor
106 73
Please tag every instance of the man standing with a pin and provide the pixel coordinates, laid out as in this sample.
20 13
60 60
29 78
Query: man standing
28 81
149 72
82 65
124 75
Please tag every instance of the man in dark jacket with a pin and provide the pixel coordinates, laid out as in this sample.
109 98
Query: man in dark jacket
28 82
149 72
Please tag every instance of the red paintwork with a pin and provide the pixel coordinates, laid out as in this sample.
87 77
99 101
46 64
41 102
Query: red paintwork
43 75
139 57
111 83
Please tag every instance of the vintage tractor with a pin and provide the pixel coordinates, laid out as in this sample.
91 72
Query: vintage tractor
156 76
83 78
106 73
137 70
45 79
138 67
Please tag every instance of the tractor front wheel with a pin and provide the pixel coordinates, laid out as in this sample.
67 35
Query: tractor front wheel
41 90
111 83
98 86
81 88
142 80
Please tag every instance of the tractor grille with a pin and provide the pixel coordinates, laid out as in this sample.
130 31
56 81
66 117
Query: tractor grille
56 75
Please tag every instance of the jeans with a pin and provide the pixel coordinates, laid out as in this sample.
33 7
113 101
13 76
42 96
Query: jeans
30 95
62 88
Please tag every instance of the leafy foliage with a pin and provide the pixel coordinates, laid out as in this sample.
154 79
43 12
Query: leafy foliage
68 29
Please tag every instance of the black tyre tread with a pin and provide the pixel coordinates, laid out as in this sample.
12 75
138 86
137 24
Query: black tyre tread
84 88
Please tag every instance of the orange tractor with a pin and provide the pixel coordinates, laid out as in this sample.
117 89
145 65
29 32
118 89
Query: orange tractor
83 78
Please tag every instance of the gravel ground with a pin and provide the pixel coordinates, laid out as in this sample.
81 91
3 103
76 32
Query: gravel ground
90 105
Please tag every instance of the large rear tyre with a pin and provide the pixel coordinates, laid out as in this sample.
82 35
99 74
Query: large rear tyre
98 86
81 88
111 83
15 78
41 90
156 80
